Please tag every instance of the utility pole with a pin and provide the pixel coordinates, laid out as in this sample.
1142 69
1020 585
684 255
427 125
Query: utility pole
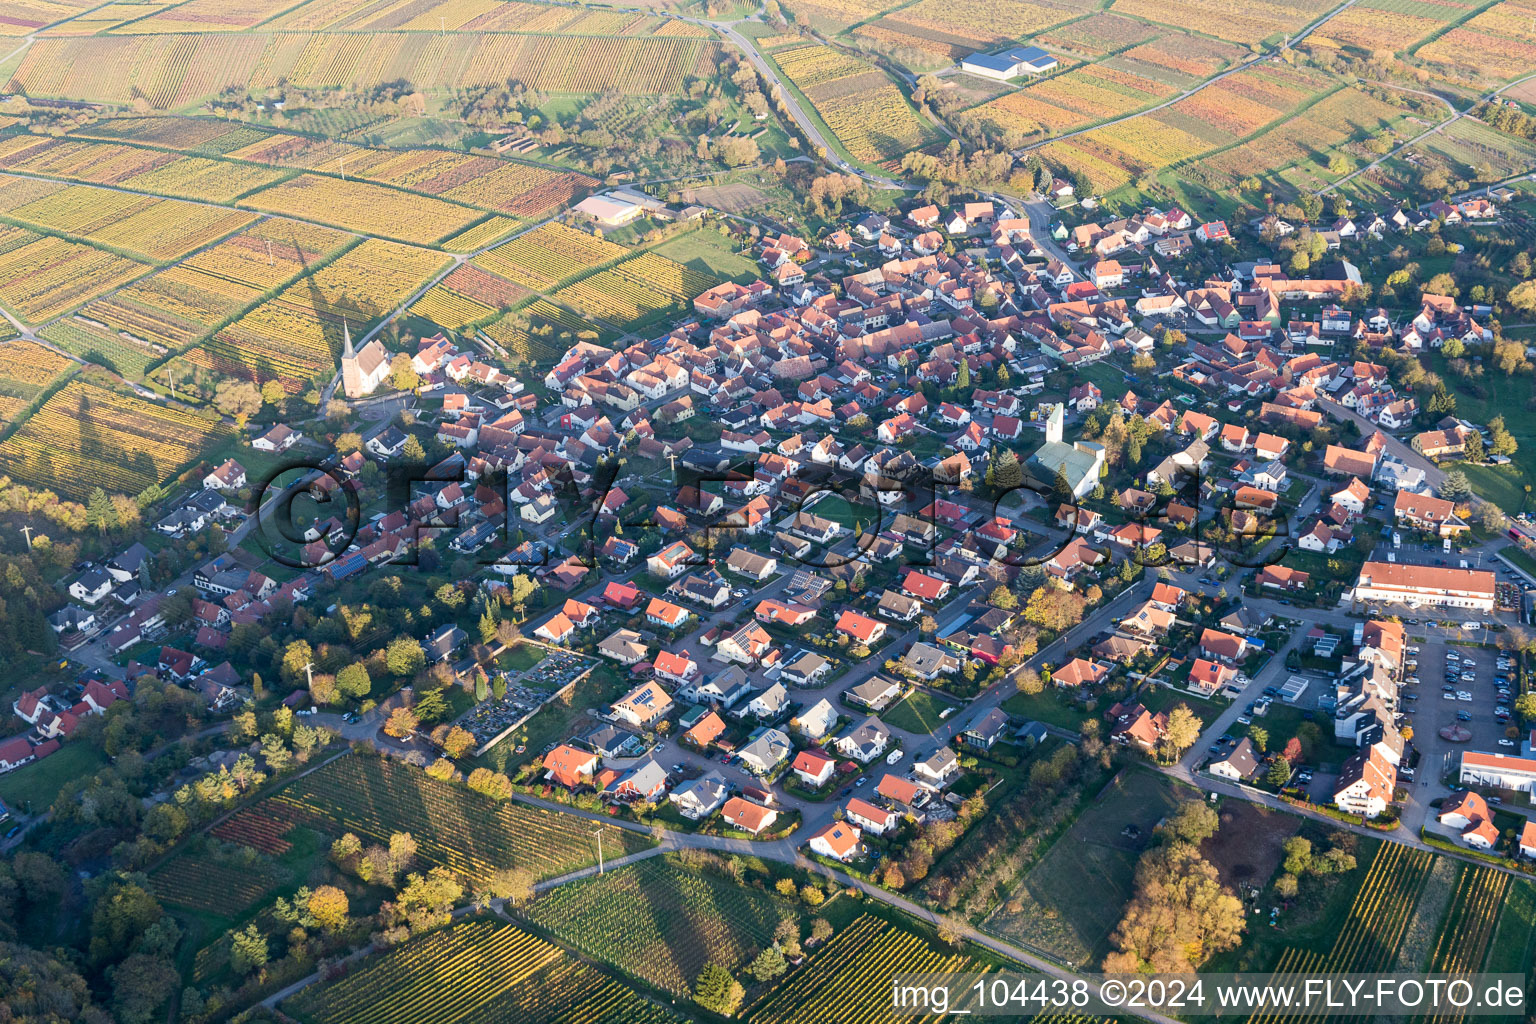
27 532
309 673
599 833
269 253
343 162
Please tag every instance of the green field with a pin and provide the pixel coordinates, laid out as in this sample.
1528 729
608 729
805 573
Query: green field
662 922
919 713
1516 933
39 782
710 251
1071 900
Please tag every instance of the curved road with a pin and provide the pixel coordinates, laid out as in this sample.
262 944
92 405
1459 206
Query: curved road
787 97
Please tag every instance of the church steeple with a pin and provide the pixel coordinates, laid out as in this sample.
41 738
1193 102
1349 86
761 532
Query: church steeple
351 373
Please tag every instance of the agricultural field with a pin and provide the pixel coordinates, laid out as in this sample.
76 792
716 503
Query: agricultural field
661 922
26 370
208 16
836 15
1090 93
712 252
475 16
143 170
1217 117
1469 925
363 207
86 436
42 277
1307 139
174 70
481 972
862 106
181 304
1071 900
636 288
1097 34
468 295
1251 23
221 886
549 256
1389 25
155 229
1371 934
848 980
484 234
1469 143
469 833
947 31
1494 46
297 336
22 17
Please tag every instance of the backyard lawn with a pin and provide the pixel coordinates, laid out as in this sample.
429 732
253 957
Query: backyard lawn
40 781
1047 706
919 713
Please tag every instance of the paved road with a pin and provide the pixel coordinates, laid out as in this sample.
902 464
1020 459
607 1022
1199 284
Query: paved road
791 102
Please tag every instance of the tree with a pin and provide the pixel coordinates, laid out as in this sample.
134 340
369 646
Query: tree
412 451
1502 442
458 742
404 656
821 929
1525 706
328 906
1473 446
353 681
277 755
1259 736
1029 682
1292 751
1285 886
141 984
1183 729
515 885
716 990
1455 486
122 914
401 723
1523 295
402 375
238 399
432 706
1179 915
1194 822
248 949
1298 855
1278 773
768 964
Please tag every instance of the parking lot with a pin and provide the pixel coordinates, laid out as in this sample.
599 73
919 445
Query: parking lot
1458 686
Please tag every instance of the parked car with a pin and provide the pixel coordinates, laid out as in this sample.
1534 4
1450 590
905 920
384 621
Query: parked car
1463 695
1505 742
